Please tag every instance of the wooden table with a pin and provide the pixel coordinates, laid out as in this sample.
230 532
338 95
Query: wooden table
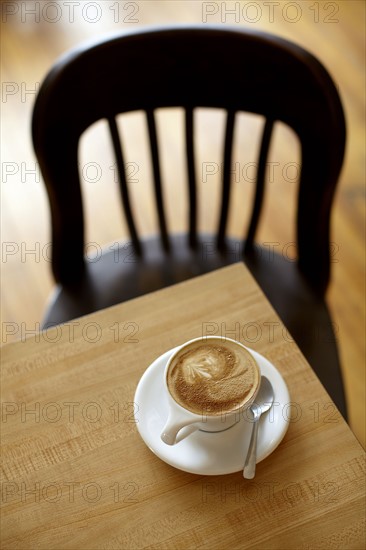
76 473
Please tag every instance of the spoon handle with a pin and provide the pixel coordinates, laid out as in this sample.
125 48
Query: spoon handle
250 462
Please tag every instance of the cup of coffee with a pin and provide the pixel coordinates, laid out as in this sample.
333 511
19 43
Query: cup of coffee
209 382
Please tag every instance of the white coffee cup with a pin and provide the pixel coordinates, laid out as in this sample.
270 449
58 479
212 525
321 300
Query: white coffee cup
223 371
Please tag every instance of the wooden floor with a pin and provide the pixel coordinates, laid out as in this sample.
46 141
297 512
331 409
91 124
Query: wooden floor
33 34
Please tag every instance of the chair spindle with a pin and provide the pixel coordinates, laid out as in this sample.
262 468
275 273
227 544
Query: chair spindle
157 178
123 184
226 180
260 184
192 190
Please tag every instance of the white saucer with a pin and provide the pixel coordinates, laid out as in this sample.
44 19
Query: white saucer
209 453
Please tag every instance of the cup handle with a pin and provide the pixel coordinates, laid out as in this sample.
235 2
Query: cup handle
170 434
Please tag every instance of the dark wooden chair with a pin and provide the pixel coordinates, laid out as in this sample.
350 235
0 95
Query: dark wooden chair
152 68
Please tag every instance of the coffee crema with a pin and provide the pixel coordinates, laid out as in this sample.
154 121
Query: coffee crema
213 377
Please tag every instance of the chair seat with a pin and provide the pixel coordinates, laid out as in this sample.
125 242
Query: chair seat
118 275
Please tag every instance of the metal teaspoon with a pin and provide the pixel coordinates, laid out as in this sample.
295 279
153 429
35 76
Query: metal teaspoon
263 402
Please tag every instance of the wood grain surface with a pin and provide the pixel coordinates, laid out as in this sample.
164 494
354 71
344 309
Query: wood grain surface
76 473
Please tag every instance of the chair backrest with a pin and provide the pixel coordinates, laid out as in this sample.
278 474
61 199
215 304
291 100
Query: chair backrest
175 66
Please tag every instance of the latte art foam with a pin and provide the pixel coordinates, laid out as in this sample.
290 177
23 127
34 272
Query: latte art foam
203 363
213 377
